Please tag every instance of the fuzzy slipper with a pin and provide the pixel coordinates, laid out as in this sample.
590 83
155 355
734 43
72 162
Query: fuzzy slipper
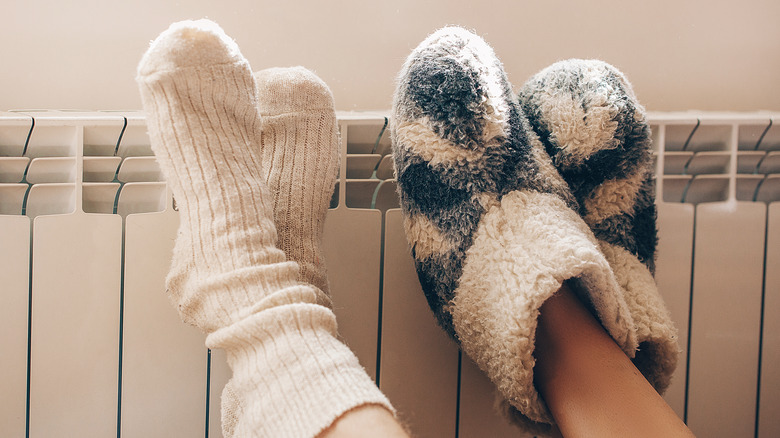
493 228
595 131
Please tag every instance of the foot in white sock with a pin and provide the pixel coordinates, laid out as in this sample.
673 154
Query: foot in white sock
300 156
290 373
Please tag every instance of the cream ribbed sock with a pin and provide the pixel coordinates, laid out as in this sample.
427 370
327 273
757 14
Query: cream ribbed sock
291 376
300 155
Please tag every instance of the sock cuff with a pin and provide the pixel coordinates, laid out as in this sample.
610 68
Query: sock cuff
545 243
211 300
298 377
657 353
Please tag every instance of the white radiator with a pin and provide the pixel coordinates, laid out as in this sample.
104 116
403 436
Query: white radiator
91 347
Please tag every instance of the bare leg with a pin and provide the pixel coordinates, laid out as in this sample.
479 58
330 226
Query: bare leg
358 422
589 384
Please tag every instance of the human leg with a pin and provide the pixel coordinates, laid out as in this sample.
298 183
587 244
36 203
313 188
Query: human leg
293 377
590 121
366 420
299 151
590 386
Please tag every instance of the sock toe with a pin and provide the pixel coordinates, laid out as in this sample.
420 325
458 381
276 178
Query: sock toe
291 89
590 119
454 79
189 43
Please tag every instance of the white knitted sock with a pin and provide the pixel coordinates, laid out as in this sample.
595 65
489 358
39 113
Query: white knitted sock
291 374
300 156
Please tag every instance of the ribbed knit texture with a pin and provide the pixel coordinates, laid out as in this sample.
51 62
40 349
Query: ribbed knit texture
300 155
291 375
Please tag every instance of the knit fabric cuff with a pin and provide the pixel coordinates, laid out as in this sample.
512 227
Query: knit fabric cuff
293 376
657 351
523 250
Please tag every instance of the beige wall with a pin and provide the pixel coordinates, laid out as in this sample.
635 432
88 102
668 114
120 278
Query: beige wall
707 55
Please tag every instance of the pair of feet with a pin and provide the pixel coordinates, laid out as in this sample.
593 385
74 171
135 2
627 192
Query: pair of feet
252 160
506 197
491 201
